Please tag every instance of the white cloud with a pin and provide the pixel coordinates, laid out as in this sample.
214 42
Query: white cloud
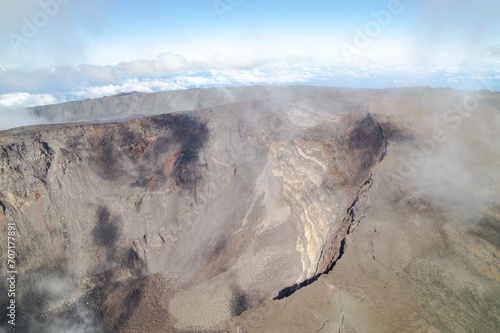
16 118
33 79
171 63
240 60
24 99
13 112
174 71
99 73
175 63
281 75
46 31
127 86
456 31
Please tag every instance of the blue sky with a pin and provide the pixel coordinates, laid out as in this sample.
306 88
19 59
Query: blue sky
60 50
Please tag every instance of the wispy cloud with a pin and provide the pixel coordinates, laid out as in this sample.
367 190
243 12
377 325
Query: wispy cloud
457 30
64 77
164 63
48 31
19 100
174 72
13 112
198 79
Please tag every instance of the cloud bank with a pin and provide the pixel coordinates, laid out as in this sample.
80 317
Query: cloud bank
51 85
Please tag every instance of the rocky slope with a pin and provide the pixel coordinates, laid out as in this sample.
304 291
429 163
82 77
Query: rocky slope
284 209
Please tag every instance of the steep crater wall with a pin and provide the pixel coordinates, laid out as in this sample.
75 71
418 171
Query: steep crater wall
197 216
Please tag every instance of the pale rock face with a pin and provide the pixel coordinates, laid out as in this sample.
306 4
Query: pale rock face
213 219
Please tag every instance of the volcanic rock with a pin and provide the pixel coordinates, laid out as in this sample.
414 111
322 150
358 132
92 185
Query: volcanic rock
284 209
